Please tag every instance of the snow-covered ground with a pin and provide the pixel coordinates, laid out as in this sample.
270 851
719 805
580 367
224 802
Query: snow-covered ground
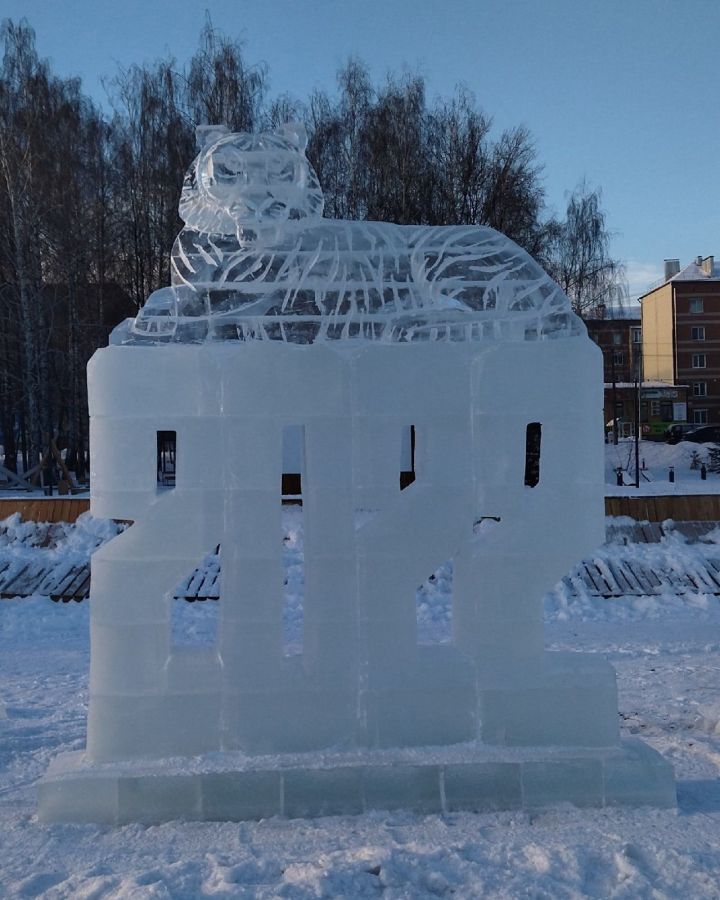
655 461
667 654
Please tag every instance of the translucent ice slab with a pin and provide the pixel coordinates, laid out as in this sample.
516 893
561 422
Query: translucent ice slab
256 261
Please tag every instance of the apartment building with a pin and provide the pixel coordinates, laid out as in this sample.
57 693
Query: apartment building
618 334
681 334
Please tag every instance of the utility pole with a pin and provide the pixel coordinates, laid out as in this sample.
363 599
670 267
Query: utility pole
638 384
614 397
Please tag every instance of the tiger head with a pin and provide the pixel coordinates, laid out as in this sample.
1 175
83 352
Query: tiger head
242 183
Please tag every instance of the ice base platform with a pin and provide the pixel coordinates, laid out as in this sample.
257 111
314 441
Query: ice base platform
467 777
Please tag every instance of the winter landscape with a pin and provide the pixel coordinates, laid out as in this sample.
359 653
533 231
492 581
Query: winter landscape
665 649
295 336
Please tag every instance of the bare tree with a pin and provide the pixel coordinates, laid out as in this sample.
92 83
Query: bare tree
26 99
54 207
88 202
152 141
220 86
514 195
337 142
153 137
385 154
577 254
458 141
394 153
284 108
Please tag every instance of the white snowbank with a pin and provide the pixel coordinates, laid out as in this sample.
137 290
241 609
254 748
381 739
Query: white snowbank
656 457
570 598
82 536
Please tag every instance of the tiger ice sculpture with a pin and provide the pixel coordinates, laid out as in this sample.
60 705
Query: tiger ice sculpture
346 353
257 261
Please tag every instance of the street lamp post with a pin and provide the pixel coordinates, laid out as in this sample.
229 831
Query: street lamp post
638 397
614 397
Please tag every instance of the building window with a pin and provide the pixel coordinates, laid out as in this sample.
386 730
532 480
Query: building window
696 304
637 335
700 389
654 407
617 338
700 417
698 332
666 410
619 409
699 361
618 359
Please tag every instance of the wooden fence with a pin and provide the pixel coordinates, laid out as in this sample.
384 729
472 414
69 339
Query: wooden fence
44 509
681 507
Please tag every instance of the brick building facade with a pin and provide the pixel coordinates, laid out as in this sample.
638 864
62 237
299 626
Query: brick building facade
619 336
681 335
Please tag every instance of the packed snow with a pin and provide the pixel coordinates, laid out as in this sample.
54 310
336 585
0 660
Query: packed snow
656 458
666 653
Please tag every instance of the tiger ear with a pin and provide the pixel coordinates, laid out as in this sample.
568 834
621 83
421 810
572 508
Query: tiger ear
295 133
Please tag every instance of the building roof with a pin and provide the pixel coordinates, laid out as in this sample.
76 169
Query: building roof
694 272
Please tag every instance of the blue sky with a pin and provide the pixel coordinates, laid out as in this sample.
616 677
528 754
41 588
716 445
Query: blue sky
621 92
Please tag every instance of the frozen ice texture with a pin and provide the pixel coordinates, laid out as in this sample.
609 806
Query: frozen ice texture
362 678
221 787
256 261
346 339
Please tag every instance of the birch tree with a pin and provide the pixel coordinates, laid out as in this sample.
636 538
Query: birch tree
25 100
578 256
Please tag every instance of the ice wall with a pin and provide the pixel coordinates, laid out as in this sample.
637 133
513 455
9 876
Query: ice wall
362 678
345 334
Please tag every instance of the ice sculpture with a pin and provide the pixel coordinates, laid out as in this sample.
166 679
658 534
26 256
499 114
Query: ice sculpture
257 261
345 335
